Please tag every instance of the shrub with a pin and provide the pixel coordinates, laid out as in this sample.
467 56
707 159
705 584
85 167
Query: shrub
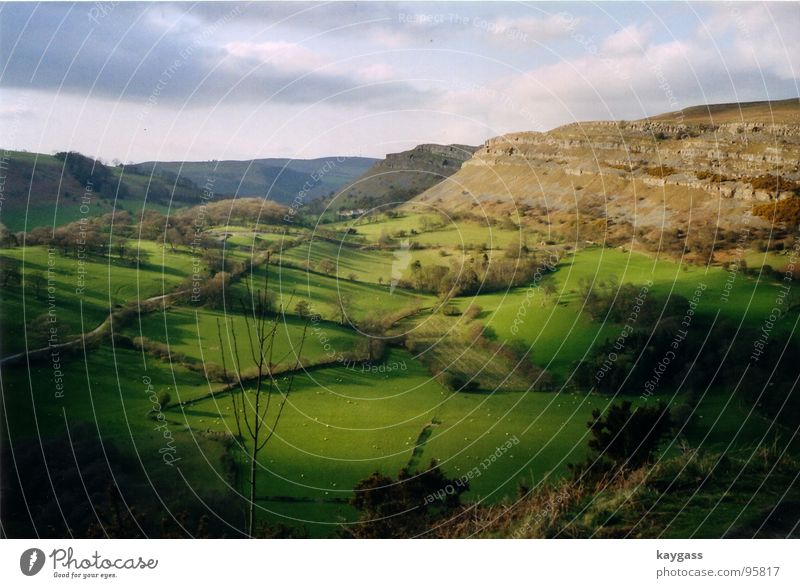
473 312
164 399
783 211
660 171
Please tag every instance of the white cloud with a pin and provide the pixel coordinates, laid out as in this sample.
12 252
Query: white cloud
293 58
629 75
535 28
376 72
289 57
631 39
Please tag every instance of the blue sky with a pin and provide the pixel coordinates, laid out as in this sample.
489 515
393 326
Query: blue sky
196 81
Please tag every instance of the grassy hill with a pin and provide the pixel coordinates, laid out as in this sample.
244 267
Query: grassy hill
488 343
768 112
48 190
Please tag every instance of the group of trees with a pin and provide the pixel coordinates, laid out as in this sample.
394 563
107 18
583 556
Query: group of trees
89 172
112 234
624 438
406 506
607 300
480 273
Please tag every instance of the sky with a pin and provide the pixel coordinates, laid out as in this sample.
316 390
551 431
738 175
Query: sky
199 81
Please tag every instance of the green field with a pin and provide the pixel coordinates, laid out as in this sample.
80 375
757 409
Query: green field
561 334
367 265
438 232
342 424
324 293
193 333
344 421
84 291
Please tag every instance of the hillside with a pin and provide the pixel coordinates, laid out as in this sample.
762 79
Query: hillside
686 172
401 176
689 494
778 111
279 179
54 190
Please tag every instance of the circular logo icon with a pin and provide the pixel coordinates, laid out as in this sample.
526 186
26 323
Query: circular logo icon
31 561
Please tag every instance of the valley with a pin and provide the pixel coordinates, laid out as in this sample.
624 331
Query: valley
476 328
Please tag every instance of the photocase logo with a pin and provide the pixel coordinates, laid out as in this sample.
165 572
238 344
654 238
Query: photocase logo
401 261
31 561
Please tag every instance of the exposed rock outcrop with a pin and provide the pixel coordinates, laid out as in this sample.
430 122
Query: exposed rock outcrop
653 172
402 176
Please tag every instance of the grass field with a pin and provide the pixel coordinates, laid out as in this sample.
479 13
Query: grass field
368 265
81 306
108 392
438 232
323 293
343 422
192 332
561 334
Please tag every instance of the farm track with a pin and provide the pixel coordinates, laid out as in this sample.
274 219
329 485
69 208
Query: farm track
96 334
103 329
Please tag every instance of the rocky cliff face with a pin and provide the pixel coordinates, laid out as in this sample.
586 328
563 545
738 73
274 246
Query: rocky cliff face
402 176
669 171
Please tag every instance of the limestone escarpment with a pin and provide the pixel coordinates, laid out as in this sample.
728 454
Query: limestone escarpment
666 171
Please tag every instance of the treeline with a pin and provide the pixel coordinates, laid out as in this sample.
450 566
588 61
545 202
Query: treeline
110 232
122 182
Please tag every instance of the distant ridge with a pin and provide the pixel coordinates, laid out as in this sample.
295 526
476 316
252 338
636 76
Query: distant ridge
278 179
763 111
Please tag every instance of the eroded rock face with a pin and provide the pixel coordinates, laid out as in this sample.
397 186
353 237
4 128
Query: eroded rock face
673 165
403 175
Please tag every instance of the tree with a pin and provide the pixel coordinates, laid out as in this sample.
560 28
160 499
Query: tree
627 437
405 507
10 272
214 289
36 282
303 309
7 238
548 289
258 408
172 238
327 266
142 257
343 302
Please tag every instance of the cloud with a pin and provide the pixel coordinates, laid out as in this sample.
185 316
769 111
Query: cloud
131 56
765 36
460 72
532 28
290 57
629 75
632 39
296 59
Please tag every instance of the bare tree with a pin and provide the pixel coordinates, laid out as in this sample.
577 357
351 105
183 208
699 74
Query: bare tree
343 302
548 289
258 408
